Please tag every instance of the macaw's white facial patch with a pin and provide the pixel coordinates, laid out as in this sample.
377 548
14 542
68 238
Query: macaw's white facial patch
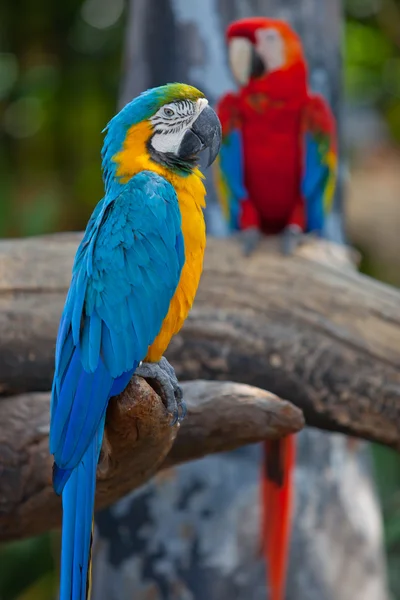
271 48
171 122
240 54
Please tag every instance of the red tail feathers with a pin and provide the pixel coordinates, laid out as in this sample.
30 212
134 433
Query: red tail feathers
277 500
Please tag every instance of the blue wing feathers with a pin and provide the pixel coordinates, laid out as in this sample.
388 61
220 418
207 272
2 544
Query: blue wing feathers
120 293
313 184
232 163
85 395
319 162
78 300
121 382
60 478
77 416
232 170
91 341
84 417
63 331
168 232
62 400
141 317
180 249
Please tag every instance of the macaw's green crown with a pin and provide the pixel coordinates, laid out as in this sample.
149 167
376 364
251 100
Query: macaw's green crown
148 103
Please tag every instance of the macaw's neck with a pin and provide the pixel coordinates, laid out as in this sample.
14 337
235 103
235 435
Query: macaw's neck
285 84
132 156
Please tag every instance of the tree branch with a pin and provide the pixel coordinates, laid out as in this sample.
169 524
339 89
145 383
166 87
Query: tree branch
139 441
321 335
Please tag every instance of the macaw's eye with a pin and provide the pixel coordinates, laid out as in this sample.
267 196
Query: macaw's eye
168 112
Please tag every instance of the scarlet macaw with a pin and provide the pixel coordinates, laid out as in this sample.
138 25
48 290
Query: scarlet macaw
134 280
276 174
277 166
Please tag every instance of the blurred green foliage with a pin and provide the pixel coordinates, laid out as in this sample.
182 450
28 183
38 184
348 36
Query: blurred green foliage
60 66
28 565
59 77
372 57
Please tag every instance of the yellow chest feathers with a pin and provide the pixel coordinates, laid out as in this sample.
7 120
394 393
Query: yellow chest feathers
190 190
194 235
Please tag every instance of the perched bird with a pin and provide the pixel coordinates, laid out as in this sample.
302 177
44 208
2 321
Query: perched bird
277 167
276 174
134 280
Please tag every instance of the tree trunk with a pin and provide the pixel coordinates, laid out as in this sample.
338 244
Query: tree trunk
192 533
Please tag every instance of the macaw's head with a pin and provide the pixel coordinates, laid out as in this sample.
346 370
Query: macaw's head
164 128
258 46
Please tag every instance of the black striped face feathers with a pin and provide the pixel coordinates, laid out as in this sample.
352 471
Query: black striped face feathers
181 130
171 122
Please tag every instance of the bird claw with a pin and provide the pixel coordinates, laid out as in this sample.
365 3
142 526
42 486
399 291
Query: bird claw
249 239
164 374
291 237
179 413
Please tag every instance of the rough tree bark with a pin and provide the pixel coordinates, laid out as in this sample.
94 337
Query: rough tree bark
139 441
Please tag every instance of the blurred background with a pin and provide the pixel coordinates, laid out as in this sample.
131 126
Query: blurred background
60 68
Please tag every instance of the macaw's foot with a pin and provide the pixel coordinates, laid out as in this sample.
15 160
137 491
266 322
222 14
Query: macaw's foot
249 240
291 237
162 374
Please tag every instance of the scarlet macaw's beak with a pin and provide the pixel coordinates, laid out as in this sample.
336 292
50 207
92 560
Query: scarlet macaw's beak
244 60
257 68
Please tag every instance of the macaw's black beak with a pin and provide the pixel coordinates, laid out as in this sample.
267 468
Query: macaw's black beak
257 67
205 133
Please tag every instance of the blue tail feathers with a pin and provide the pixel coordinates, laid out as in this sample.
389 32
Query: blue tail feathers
78 505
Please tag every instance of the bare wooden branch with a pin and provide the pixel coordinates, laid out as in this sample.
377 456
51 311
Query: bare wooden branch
139 441
324 337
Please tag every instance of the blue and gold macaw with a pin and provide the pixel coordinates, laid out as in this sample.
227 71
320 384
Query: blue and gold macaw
134 280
